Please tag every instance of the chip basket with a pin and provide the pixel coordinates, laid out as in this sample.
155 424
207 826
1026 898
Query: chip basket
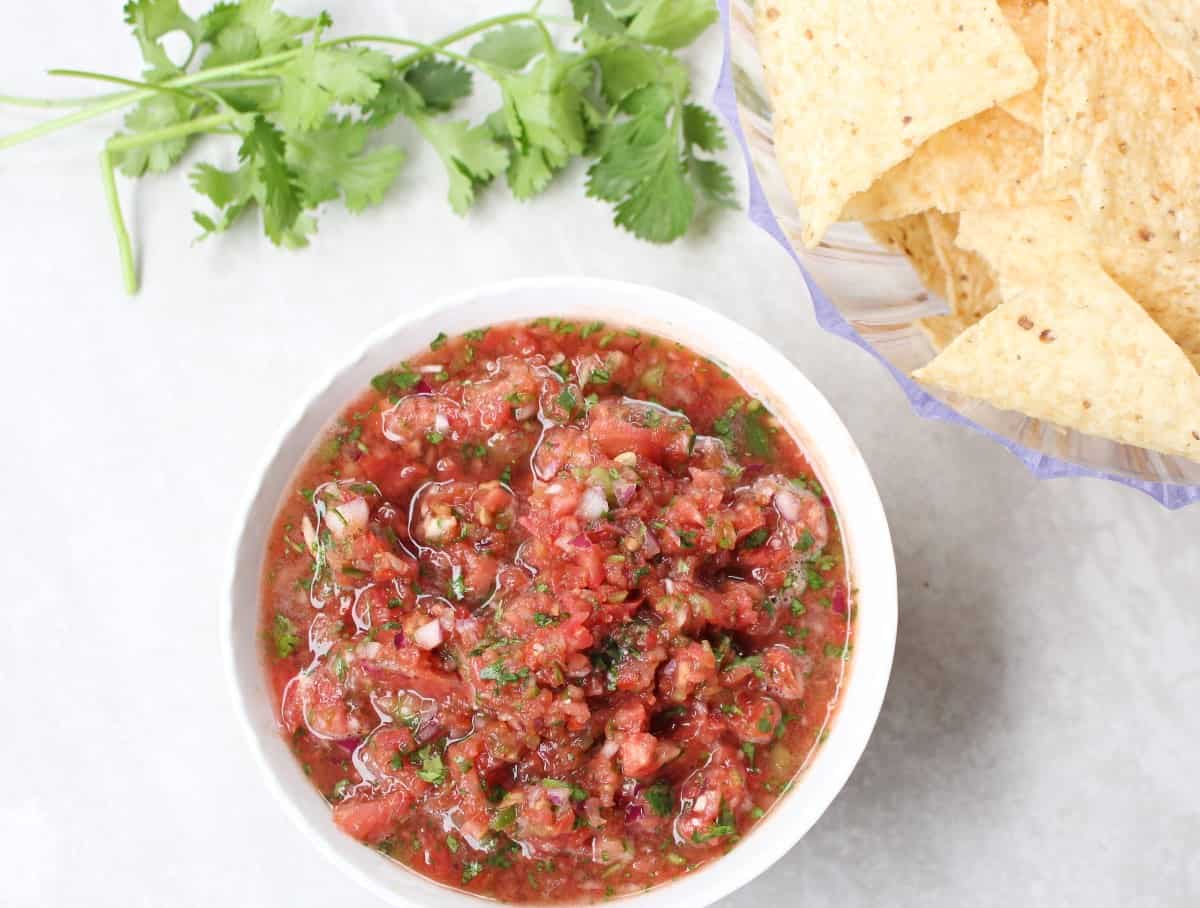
872 297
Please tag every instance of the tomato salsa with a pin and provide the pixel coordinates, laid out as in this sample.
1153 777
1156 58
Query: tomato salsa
555 612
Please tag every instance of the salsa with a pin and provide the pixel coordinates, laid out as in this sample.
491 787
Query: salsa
555 611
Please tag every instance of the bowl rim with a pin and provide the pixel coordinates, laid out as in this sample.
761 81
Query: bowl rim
834 456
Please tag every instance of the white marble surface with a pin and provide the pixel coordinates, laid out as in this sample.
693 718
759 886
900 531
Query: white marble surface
1039 741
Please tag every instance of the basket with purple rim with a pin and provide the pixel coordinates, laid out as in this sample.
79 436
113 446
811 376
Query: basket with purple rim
872 297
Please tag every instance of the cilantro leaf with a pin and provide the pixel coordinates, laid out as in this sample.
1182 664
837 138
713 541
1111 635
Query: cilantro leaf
231 44
504 817
713 182
754 428
471 156
502 674
625 68
471 869
222 187
366 178
280 195
597 16
284 636
151 20
313 82
658 796
219 17
157 112
512 46
396 96
673 23
440 83
231 191
432 770
631 148
756 539
330 161
701 128
543 109
528 173
271 30
660 208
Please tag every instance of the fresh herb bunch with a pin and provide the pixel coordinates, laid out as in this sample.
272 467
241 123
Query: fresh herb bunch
308 111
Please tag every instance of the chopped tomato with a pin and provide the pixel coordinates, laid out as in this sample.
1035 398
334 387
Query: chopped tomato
555 608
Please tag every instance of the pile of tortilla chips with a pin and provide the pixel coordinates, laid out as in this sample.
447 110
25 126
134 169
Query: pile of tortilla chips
1038 161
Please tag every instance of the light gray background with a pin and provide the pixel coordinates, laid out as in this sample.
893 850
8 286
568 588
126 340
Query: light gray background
1039 741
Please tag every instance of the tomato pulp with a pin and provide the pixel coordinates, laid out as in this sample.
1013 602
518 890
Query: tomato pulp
555 611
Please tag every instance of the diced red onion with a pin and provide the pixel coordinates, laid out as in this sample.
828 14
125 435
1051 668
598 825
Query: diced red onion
623 491
609 748
423 387
369 649
427 731
581 541
429 635
634 812
349 745
398 640
348 518
559 796
788 506
838 599
523 413
431 368
440 422
650 546
593 504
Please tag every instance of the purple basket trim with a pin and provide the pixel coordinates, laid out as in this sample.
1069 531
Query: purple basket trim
1042 466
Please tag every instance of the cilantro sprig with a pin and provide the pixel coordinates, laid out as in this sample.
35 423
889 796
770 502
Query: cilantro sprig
307 112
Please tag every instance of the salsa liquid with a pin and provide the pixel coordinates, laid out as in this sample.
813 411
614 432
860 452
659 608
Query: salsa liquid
555 611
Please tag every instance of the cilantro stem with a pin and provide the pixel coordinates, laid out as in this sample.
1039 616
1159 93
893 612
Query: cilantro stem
426 50
200 124
15 101
118 101
123 99
118 80
452 38
547 40
108 175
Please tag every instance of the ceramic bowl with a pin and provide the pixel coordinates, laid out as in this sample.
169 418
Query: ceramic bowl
763 371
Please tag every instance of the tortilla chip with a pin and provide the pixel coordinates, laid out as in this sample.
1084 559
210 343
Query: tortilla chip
910 236
1030 19
1023 243
857 87
971 287
1124 118
1074 349
991 160
1167 286
962 278
1176 25
1026 242
942 330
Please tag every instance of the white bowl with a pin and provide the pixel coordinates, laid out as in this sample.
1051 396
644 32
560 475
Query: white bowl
763 371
